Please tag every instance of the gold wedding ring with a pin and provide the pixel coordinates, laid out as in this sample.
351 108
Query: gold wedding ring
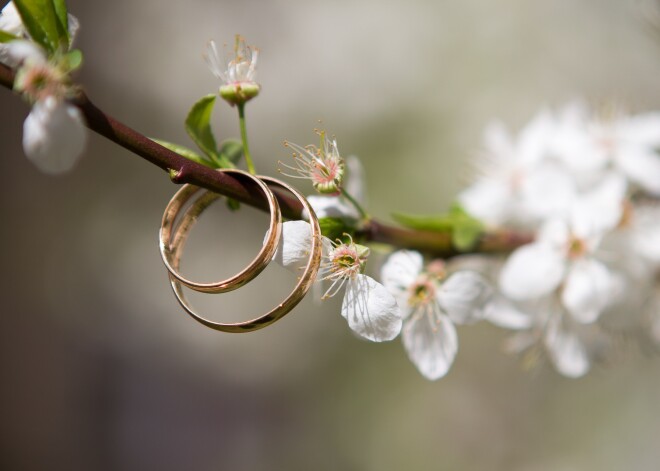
172 247
168 246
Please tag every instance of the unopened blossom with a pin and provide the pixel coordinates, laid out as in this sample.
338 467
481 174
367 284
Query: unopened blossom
370 310
54 134
323 166
431 303
237 70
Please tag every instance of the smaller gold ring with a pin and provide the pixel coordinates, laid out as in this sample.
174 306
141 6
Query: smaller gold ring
302 287
169 247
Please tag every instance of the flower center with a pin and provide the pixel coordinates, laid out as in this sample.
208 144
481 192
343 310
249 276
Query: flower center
40 81
576 248
345 261
421 292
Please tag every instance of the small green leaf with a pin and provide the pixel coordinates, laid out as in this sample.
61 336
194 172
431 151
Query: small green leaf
441 223
73 59
198 125
334 228
232 149
465 237
185 152
233 205
42 23
464 229
5 37
63 17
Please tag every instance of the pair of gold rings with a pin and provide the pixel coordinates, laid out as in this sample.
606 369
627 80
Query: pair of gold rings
175 229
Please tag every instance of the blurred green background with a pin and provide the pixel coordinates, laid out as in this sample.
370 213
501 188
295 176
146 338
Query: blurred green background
102 370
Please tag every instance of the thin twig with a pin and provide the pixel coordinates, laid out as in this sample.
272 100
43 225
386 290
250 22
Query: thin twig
182 170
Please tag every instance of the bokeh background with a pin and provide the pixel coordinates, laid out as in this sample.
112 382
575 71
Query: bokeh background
102 370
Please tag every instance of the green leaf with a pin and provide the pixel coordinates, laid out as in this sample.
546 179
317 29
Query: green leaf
42 23
233 205
5 37
465 237
63 17
441 223
232 149
464 229
73 59
185 152
198 125
335 228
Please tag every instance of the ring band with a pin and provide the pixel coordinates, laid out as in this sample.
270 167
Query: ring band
168 247
302 287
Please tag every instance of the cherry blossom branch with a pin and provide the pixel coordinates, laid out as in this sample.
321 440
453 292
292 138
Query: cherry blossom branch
183 170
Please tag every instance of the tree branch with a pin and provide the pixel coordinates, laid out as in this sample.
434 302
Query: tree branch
183 170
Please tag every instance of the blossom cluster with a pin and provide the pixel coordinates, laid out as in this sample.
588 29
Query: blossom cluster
585 184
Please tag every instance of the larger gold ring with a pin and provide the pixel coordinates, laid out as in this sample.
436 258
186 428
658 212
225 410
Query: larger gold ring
302 287
168 247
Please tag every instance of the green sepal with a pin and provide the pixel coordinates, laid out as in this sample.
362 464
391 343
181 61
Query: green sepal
464 229
335 228
185 152
5 37
42 22
198 127
72 60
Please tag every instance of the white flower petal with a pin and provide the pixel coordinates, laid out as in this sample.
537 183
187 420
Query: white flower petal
371 311
533 140
400 271
295 245
532 271
588 290
463 296
503 313
74 27
547 191
643 129
642 165
600 209
489 200
10 20
54 135
331 207
554 233
567 353
23 50
645 233
431 343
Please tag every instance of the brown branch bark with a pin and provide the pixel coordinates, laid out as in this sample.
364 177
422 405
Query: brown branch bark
183 170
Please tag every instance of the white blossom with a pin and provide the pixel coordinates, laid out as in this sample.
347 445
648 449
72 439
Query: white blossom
370 310
432 303
237 70
517 182
563 257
